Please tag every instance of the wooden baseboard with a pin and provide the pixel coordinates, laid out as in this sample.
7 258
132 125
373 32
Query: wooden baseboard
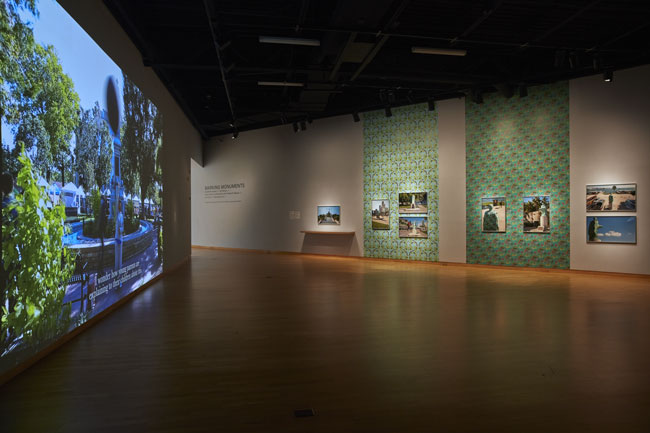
430 263
13 372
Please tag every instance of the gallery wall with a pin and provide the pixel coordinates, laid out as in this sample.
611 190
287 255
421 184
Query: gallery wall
519 147
400 155
610 143
180 138
451 180
280 178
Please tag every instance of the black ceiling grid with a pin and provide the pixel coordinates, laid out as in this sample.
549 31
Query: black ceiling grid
364 60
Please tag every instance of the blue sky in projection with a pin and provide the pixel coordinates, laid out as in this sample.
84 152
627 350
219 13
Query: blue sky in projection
81 58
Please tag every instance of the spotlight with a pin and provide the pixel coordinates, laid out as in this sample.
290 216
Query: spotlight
432 104
388 111
295 127
303 125
235 134
355 116
523 91
608 76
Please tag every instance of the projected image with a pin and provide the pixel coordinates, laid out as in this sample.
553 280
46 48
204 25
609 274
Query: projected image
81 180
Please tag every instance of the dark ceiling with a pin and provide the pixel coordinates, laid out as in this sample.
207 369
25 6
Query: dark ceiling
364 60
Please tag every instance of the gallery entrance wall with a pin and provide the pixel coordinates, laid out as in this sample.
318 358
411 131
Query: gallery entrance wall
263 189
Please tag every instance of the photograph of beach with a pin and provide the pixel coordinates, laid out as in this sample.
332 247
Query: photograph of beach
611 197
493 214
380 215
413 227
611 229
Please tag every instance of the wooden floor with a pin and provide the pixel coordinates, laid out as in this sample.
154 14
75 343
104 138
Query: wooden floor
235 342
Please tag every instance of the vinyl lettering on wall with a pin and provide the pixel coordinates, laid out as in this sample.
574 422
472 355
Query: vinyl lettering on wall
224 193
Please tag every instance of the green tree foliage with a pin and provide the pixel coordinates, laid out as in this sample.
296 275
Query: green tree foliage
14 35
92 149
142 135
38 98
36 264
536 203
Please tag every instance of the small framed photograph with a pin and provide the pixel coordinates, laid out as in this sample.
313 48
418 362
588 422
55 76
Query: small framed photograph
329 215
537 214
413 202
493 214
413 227
380 214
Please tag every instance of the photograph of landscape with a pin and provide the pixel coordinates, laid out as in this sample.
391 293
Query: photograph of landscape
380 215
413 227
329 215
493 214
413 202
611 197
537 211
611 229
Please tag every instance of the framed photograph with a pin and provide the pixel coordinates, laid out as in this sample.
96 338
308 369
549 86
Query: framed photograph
329 215
380 214
413 202
537 214
611 229
493 214
616 197
413 227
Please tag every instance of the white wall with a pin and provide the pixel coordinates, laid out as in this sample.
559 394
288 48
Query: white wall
451 173
180 140
283 171
610 143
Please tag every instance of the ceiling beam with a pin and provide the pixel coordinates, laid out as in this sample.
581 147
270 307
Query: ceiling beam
213 31
380 43
566 21
477 22
145 51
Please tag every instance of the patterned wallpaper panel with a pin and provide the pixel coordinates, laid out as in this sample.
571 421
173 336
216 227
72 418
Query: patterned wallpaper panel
519 147
400 154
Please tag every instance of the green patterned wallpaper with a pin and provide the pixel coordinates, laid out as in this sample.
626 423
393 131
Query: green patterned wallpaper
519 147
400 154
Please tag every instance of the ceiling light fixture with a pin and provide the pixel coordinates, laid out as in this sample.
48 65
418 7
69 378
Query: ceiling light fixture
289 41
439 51
235 134
280 83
